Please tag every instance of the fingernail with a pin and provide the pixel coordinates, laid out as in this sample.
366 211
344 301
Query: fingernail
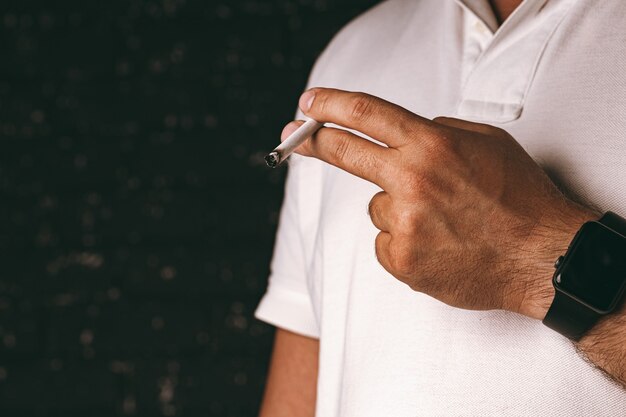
288 130
306 100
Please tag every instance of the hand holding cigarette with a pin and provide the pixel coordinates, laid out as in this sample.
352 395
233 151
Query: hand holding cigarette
465 214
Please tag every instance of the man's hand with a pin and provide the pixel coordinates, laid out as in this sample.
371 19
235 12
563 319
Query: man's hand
465 214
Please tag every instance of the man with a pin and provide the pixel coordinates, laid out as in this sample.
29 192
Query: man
415 253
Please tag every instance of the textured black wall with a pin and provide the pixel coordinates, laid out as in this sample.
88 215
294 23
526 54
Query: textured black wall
136 214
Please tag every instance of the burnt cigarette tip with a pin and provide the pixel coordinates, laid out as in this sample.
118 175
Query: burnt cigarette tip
272 159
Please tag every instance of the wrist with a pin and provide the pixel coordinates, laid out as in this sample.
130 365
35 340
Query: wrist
549 240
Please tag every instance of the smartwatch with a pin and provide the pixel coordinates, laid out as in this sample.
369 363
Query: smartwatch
590 279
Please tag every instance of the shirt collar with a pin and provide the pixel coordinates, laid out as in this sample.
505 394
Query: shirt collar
483 11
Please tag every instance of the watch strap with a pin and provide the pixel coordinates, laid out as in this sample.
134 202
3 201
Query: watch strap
570 317
614 222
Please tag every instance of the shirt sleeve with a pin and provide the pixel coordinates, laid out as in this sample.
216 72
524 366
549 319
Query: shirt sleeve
287 303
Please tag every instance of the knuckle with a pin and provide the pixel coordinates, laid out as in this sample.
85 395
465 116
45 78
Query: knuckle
374 203
321 102
441 144
401 260
380 249
367 162
307 148
420 185
405 123
360 107
341 149
408 221
402 265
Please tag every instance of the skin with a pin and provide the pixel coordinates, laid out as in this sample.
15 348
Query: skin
291 383
465 214
503 8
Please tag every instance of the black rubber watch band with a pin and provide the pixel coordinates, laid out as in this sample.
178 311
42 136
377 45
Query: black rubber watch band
567 315
614 222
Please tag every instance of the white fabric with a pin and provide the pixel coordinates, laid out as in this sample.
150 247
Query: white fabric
554 77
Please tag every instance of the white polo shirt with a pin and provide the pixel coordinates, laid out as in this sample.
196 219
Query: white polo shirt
554 76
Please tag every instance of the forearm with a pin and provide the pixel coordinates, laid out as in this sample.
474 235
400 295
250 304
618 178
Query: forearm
605 345
292 379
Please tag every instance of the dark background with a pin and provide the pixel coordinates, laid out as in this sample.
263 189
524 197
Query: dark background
137 217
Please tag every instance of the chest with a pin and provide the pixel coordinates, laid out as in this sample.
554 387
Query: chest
564 105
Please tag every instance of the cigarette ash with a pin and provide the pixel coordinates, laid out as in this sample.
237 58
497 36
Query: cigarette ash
272 159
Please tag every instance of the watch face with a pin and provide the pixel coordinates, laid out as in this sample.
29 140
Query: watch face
594 270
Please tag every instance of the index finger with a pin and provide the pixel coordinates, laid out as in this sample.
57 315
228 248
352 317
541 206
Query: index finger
377 118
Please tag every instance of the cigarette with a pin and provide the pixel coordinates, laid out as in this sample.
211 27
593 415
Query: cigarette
286 148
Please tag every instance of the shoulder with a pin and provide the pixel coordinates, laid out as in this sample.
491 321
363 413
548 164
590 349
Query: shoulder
368 36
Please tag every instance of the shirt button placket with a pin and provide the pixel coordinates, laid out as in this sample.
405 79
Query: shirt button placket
477 39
